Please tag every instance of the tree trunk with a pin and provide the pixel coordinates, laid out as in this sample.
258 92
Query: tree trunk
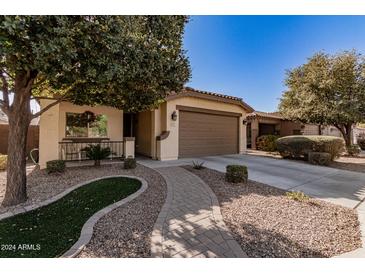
348 135
346 131
19 119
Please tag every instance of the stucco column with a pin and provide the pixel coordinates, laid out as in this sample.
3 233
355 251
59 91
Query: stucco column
242 135
254 132
48 133
128 147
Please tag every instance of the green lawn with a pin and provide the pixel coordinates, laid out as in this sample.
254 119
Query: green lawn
51 230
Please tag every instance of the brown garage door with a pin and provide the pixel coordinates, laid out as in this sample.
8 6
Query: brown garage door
203 134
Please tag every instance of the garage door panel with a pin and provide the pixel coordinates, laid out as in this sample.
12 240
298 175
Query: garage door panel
202 134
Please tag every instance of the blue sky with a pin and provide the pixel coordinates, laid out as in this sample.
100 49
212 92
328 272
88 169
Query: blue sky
247 56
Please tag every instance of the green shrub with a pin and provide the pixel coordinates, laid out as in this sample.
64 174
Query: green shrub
266 142
300 146
236 174
297 196
319 158
3 161
130 163
55 166
361 143
97 153
198 165
353 150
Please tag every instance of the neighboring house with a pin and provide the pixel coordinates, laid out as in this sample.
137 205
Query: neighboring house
263 123
190 123
32 138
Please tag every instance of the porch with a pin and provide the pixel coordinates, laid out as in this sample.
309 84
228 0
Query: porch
73 149
66 129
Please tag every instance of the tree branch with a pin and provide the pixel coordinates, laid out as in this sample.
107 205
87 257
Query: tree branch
8 74
35 115
5 89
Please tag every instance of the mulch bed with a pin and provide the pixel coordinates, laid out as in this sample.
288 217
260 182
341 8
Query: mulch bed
267 223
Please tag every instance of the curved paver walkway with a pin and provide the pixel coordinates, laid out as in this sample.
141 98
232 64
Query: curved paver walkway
190 223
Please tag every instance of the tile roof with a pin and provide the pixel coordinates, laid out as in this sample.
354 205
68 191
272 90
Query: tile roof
189 90
273 115
213 93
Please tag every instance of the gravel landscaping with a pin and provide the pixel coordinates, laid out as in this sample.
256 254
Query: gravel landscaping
124 232
266 223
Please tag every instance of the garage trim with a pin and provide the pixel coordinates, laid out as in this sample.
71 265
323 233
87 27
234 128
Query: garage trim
208 111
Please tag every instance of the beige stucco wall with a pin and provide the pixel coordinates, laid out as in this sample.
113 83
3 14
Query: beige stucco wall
48 133
114 117
52 126
168 149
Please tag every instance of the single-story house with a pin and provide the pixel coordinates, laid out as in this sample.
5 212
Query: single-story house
187 124
32 137
263 123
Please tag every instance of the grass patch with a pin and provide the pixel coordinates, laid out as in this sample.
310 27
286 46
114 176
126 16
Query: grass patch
51 230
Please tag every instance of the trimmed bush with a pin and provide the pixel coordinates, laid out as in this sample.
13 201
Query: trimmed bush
361 143
300 146
353 150
266 142
97 153
319 158
236 174
130 163
3 161
56 166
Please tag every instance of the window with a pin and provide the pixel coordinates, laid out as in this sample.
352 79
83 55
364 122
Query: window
86 124
297 132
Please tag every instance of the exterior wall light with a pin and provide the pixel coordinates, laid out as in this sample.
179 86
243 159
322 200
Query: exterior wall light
244 122
174 116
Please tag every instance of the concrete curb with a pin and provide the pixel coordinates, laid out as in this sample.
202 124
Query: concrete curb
87 229
360 252
16 211
157 235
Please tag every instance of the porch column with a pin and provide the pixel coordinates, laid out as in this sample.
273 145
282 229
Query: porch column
128 147
254 132
48 133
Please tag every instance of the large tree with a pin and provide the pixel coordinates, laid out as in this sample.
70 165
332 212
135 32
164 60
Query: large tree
127 62
327 90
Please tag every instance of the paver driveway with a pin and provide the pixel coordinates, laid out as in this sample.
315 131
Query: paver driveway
341 187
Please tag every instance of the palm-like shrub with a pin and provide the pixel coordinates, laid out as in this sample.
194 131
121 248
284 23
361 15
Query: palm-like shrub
97 153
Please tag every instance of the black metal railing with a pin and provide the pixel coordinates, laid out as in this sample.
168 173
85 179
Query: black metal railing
73 150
